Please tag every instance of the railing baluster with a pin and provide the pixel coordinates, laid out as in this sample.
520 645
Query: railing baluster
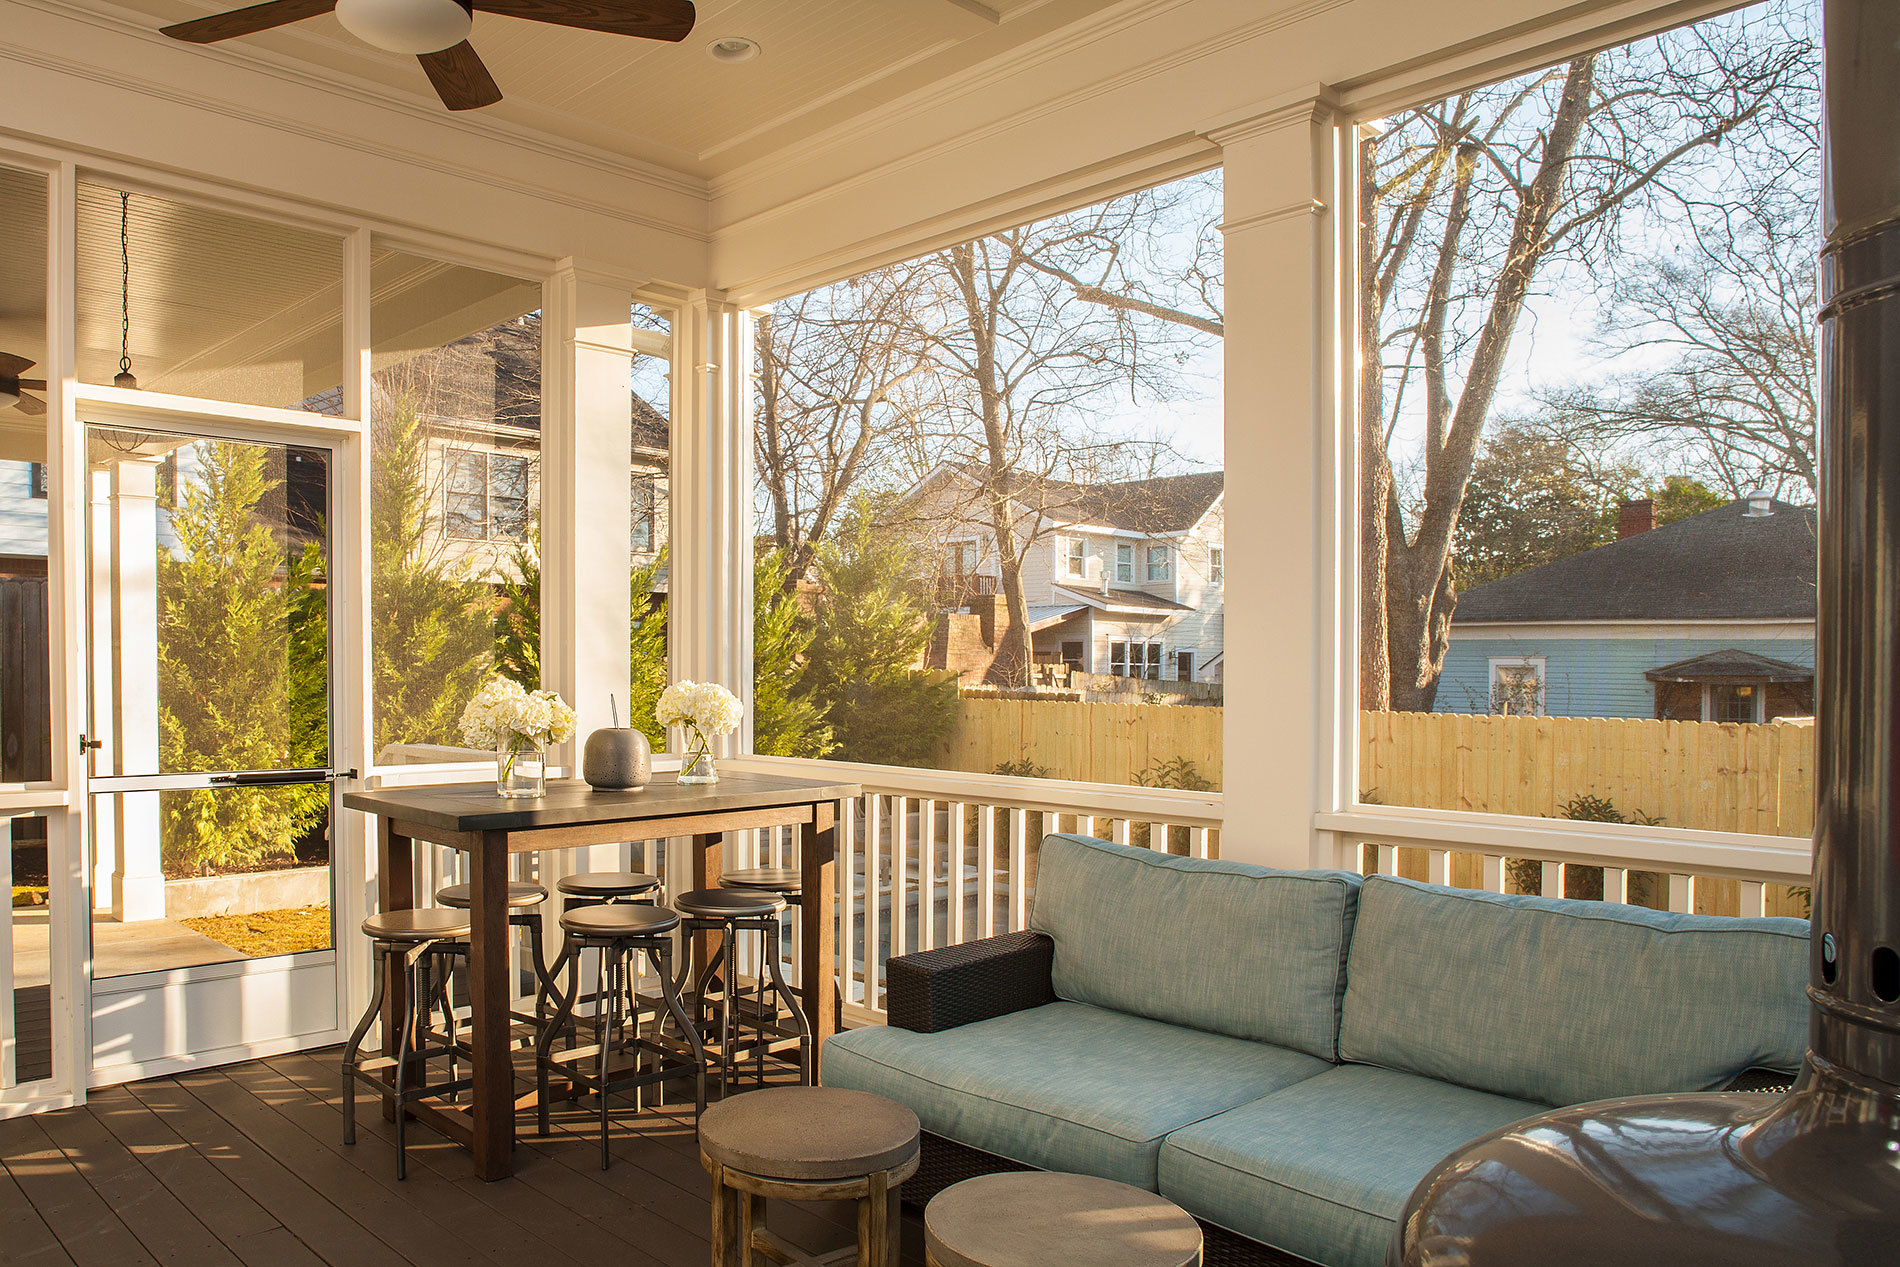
1118 831
1552 884
1681 897
1616 885
1018 869
900 875
1493 873
1158 837
927 873
985 871
873 898
849 886
1197 842
1438 866
1387 861
1753 899
958 877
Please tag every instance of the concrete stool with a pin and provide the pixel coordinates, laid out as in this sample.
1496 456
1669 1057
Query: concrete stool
806 1144
1041 1218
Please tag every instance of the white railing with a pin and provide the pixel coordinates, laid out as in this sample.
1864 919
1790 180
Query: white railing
929 858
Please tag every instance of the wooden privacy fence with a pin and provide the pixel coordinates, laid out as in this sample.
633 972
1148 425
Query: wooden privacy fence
1090 743
1713 776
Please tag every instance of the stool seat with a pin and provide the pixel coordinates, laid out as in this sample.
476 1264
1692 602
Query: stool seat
772 879
1038 1218
521 893
806 1133
430 924
607 884
728 903
619 921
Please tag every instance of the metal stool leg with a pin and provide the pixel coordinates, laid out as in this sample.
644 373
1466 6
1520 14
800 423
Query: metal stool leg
353 1050
602 1012
660 952
406 1044
789 999
564 1009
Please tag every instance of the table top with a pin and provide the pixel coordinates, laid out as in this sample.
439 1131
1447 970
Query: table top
473 807
1037 1218
808 1133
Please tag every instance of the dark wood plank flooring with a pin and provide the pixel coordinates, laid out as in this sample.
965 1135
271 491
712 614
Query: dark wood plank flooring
245 1166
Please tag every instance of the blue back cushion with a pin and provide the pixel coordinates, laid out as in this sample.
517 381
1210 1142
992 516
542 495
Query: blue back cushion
1219 946
1566 1001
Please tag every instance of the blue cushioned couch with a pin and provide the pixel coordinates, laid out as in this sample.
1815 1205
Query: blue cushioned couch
1285 1054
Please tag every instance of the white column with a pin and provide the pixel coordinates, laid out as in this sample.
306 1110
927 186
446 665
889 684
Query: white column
138 881
1286 584
710 638
586 510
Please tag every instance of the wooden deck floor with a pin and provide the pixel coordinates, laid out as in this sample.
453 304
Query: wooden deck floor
246 1165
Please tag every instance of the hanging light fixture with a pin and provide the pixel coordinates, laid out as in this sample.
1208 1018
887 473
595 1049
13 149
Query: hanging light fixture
124 377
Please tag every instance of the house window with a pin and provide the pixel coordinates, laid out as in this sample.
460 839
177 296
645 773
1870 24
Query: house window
1154 662
1215 565
1732 703
487 496
1135 659
36 480
643 514
1160 566
1125 564
1078 556
959 558
1072 656
1517 686
1184 666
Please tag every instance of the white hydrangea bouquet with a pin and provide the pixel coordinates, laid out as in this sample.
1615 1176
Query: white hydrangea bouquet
519 725
705 710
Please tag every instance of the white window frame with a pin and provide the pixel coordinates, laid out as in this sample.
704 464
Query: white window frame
1124 563
1760 700
489 457
1536 663
1216 564
1075 554
1185 654
1162 570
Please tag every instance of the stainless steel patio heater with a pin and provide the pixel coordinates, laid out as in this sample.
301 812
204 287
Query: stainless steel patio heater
1812 1177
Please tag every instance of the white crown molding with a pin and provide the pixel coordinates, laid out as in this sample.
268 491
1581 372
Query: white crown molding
123 23
1308 107
1293 210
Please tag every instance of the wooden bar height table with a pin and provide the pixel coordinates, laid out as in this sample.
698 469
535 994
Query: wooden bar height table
472 818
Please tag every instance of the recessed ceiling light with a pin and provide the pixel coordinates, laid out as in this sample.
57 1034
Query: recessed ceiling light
733 48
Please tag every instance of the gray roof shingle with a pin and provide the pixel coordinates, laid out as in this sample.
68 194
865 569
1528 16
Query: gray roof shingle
1718 565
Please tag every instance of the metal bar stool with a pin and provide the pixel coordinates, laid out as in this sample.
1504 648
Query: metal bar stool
788 884
412 943
619 931
523 897
597 888
730 912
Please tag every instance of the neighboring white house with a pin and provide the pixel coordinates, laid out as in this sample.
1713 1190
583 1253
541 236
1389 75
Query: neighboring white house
1121 578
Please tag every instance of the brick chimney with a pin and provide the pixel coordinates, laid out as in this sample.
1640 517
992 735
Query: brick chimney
1635 515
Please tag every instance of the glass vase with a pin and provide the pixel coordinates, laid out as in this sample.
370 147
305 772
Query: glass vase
697 766
521 768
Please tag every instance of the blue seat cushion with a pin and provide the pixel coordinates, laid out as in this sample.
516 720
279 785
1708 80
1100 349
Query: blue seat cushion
1323 1168
1220 946
1063 1087
1568 1001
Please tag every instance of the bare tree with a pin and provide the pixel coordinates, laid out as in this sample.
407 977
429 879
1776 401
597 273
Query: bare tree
1466 201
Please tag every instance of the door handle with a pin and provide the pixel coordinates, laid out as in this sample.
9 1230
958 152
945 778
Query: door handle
272 778
89 745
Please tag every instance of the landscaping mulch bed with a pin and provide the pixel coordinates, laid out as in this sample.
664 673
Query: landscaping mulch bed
263 933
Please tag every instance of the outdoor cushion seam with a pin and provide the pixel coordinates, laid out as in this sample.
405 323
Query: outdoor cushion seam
1284 1187
1023 1108
1600 917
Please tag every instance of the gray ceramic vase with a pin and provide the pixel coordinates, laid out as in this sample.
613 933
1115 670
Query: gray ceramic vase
617 759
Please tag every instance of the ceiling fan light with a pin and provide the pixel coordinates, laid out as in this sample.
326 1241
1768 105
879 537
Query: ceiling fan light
406 26
733 48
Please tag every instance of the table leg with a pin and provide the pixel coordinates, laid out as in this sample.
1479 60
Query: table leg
709 863
818 926
492 1101
395 891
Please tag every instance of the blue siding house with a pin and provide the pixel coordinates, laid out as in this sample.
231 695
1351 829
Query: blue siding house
1707 619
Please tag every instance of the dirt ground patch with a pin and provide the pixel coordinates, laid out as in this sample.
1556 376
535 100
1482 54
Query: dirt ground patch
263 933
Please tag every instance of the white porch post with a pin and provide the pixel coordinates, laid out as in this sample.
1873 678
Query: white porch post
586 510
138 879
710 638
1285 582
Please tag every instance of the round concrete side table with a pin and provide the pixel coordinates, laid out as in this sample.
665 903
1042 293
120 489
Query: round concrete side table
806 1144
1040 1218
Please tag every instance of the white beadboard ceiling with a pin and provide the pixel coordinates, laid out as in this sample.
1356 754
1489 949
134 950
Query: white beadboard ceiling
823 62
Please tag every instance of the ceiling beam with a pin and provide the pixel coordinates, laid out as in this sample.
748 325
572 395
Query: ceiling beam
977 9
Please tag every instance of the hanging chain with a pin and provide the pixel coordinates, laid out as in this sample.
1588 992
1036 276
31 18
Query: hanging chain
125 285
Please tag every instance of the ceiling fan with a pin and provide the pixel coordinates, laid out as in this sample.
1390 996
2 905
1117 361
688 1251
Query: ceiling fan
436 31
11 395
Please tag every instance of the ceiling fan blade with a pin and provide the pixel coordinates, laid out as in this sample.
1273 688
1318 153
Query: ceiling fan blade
669 20
11 365
31 405
33 384
258 17
459 77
